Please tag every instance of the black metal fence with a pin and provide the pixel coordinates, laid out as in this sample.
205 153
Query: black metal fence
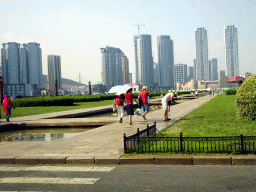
232 144
134 140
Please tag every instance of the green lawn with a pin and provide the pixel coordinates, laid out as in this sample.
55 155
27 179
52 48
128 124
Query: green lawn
26 111
215 118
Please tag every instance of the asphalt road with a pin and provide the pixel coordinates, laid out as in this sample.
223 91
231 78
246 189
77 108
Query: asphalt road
127 178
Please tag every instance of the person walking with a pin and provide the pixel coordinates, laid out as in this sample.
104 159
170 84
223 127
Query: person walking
166 100
129 98
119 101
7 107
144 96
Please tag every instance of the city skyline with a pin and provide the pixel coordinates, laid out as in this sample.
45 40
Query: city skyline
57 27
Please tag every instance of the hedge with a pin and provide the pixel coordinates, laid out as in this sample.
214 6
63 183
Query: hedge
43 101
230 92
69 100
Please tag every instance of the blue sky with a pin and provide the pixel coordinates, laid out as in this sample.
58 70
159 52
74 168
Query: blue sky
77 29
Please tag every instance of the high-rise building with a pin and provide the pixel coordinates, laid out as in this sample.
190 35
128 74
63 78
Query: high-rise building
231 51
221 73
156 72
180 73
130 78
202 63
54 71
111 66
125 68
136 60
165 61
190 73
22 69
145 60
214 69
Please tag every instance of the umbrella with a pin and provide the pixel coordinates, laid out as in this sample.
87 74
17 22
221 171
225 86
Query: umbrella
114 89
124 88
209 89
236 79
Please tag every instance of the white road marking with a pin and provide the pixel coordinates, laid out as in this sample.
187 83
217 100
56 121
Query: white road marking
57 168
48 180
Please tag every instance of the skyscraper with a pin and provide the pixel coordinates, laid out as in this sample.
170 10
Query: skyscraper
190 73
165 61
214 69
54 71
202 63
231 51
22 69
180 73
136 59
145 60
111 66
125 68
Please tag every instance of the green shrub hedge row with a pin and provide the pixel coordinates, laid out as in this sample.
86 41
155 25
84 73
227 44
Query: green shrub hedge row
69 100
230 92
43 101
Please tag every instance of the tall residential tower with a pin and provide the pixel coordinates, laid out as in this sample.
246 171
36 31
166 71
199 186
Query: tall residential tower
165 61
231 51
54 71
202 63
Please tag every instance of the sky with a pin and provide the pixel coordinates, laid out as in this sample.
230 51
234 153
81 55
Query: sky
77 29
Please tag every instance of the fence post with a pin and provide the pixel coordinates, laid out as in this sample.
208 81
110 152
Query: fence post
181 142
125 148
147 130
242 143
155 127
138 133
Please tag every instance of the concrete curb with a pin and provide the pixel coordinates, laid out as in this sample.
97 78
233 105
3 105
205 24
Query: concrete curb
116 160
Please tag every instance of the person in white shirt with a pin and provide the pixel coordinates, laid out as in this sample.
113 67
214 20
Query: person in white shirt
168 98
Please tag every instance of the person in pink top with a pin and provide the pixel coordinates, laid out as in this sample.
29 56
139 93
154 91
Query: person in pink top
129 98
7 107
144 96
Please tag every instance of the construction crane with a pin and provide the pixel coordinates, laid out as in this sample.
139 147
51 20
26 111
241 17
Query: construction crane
138 25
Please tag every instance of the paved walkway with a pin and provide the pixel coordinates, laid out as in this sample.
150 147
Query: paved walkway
105 141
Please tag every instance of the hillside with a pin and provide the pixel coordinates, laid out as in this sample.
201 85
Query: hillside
64 81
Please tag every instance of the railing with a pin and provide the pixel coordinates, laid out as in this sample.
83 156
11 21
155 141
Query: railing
232 144
133 140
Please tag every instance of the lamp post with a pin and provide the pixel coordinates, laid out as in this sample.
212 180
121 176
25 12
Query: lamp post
90 88
56 87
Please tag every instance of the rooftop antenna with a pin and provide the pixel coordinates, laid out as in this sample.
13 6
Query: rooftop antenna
138 25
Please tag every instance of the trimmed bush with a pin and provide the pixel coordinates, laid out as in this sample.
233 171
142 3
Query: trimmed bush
246 99
43 101
230 92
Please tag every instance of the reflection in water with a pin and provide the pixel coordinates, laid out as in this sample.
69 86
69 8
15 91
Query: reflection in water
18 137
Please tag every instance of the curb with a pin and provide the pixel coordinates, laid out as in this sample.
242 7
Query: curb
117 160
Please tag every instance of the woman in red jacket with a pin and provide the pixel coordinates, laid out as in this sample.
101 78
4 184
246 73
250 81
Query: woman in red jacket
7 107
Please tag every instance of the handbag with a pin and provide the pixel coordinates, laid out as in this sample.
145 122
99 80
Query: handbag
114 108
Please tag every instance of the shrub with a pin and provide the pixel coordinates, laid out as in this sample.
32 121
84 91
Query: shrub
230 92
43 101
245 99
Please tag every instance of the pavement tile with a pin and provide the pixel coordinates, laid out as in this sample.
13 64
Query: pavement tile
173 160
243 160
212 160
7 159
137 160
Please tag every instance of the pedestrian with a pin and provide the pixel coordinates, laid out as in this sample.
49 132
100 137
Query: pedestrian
213 92
144 95
166 101
196 92
129 98
7 107
119 101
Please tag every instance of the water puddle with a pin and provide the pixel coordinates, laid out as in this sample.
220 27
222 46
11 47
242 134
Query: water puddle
39 134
